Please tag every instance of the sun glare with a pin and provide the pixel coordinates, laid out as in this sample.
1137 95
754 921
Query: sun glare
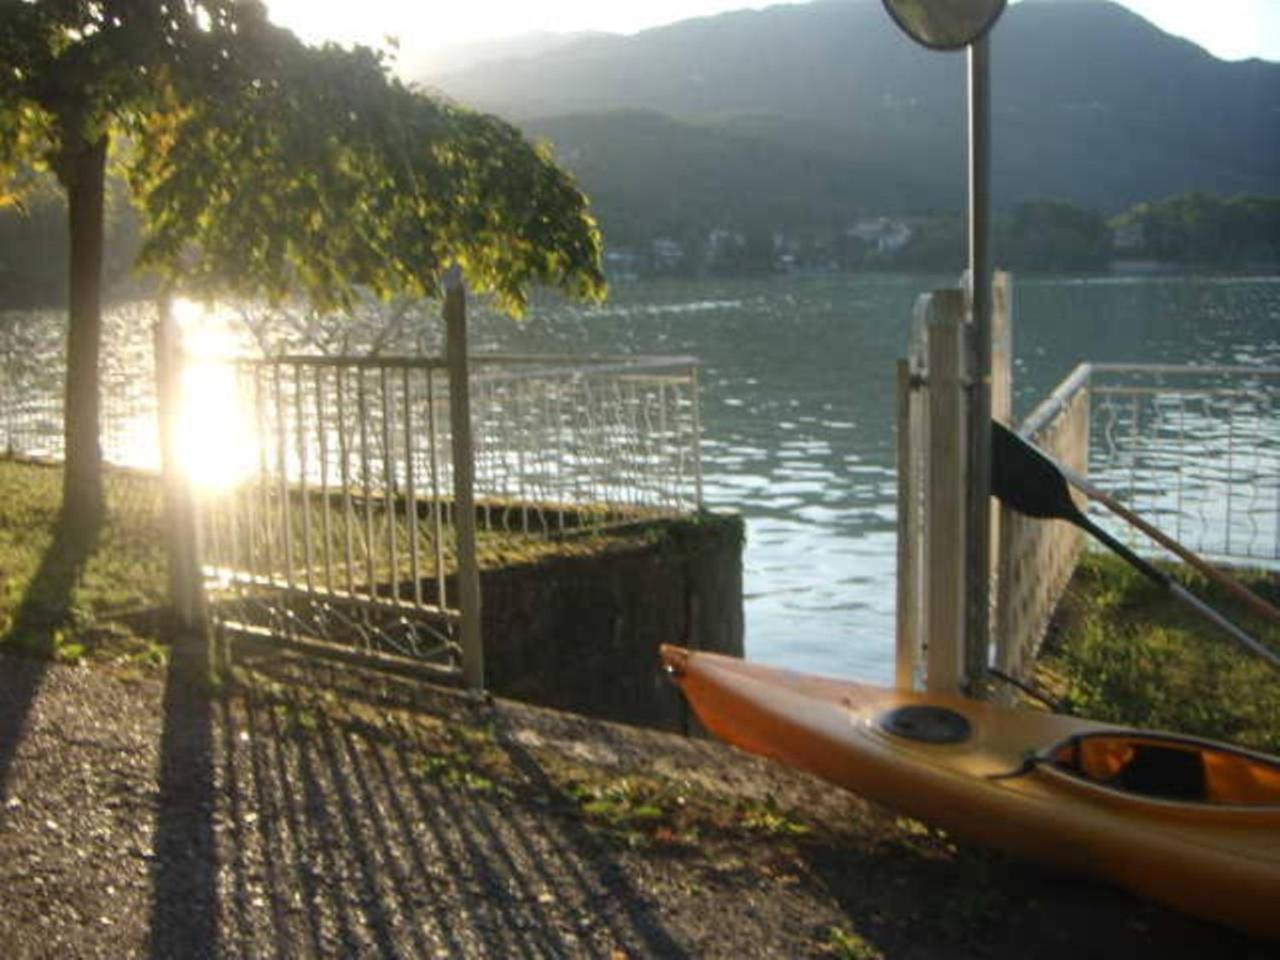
217 437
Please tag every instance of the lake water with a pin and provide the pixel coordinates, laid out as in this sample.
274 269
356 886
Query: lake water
798 413
798 384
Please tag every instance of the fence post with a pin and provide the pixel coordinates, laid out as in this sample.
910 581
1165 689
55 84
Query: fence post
1002 348
907 651
1001 411
947 525
464 513
186 578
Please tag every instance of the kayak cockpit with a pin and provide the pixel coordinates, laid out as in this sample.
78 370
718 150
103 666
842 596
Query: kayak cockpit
1168 768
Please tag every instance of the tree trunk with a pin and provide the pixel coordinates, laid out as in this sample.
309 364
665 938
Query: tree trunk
82 171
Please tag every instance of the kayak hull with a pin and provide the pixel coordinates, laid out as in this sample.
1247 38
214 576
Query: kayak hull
1222 864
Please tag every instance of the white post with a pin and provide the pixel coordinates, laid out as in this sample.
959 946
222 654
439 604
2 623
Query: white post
1002 553
978 472
948 523
907 651
186 577
464 506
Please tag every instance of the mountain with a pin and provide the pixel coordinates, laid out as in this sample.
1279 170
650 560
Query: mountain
417 62
795 106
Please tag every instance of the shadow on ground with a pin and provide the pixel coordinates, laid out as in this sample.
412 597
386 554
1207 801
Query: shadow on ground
45 608
280 832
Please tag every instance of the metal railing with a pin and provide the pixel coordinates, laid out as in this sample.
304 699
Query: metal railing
344 526
32 378
602 440
1195 450
325 486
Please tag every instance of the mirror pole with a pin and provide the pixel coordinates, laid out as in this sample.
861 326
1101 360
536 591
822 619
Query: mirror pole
977 626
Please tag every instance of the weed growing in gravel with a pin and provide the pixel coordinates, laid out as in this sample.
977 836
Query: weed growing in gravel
848 945
769 818
633 811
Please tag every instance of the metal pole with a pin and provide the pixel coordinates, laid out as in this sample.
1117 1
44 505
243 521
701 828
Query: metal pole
464 512
978 542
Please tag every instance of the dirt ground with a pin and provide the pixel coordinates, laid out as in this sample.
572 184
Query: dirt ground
288 814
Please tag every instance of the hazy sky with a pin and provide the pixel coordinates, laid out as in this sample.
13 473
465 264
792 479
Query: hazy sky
1231 29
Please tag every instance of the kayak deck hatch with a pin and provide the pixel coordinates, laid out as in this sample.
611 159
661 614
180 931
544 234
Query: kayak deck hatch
1170 768
926 723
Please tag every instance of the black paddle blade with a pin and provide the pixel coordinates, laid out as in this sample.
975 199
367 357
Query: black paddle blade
1026 480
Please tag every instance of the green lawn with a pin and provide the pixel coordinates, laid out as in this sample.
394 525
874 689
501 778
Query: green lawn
1121 649
53 600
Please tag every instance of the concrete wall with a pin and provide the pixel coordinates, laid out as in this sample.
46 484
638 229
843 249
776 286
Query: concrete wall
582 633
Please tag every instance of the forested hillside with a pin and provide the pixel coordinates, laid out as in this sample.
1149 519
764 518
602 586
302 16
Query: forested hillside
826 107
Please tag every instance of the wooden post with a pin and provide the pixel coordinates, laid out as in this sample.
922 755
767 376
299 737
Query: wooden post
186 577
948 524
464 513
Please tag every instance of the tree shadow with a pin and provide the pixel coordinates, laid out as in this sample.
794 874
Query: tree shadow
46 608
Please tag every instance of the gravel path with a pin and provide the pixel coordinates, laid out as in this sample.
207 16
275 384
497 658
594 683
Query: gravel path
139 817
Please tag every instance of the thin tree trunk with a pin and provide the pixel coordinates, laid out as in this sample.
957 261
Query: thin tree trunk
83 173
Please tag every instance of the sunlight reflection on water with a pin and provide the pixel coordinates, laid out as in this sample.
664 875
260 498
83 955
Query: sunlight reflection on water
797 391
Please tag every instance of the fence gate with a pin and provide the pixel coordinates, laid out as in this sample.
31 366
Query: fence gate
343 513
340 528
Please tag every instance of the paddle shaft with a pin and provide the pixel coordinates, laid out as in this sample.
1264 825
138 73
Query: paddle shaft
1241 592
1033 483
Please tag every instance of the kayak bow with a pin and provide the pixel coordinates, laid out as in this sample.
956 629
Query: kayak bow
1188 822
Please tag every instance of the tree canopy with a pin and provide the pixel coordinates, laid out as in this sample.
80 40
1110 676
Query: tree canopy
265 167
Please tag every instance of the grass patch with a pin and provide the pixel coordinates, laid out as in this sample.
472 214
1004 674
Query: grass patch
1123 650
70 610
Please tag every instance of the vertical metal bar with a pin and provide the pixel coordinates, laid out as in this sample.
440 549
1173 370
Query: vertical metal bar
304 490
1182 451
697 437
905 647
455 311
366 477
245 496
411 488
389 480
344 453
563 435
437 505
282 454
1135 436
1231 452
264 475
516 436
322 445
978 491
663 457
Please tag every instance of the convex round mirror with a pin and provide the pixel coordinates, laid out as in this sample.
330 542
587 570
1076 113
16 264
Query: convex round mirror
945 24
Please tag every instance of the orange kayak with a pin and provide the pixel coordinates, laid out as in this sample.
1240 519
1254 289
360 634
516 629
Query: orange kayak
1187 822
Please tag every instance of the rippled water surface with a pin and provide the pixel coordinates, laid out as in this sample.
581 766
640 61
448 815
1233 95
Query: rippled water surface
798 410
798 413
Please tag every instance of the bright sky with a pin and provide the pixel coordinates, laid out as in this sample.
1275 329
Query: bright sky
1231 29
